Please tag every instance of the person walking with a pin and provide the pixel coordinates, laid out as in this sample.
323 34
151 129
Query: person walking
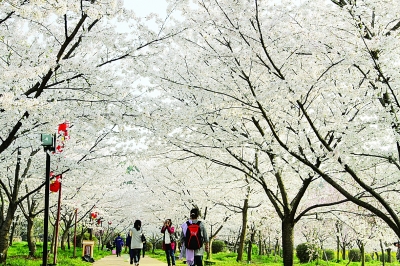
144 241
118 243
193 237
136 243
169 241
128 242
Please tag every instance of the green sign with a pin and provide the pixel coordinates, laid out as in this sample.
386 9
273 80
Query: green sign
47 140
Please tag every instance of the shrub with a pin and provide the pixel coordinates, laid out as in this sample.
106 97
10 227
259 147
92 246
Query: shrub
368 258
305 252
254 249
217 246
159 245
393 257
149 246
328 254
354 255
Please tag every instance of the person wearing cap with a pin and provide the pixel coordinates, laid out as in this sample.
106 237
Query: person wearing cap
194 257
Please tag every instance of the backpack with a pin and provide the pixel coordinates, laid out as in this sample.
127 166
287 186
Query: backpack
193 238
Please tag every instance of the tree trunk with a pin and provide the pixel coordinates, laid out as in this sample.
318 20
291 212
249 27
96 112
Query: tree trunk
344 251
244 228
14 224
5 231
209 254
249 250
362 249
250 246
287 241
337 248
389 251
236 246
276 249
69 240
64 237
382 252
30 237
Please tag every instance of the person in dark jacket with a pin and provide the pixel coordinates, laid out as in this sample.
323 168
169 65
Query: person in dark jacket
144 244
128 241
118 243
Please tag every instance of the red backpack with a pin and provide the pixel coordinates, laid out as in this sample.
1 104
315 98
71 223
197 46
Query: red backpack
193 238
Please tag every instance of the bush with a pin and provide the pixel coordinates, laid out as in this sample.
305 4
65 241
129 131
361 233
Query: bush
393 257
254 249
328 254
217 246
368 258
354 255
305 252
158 244
149 246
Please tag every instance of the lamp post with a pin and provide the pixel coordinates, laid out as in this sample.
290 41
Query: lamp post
48 143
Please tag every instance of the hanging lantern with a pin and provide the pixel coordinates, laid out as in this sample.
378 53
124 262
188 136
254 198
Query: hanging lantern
55 185
62 136
63 130
93 215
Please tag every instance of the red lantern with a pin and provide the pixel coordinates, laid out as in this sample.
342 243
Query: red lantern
93 215
55 185
63 130
109 223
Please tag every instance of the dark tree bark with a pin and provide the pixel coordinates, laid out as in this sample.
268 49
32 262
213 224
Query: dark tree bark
14 224
14 200
287 241
243 231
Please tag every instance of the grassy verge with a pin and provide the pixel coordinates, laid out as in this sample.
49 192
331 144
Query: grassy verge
18 255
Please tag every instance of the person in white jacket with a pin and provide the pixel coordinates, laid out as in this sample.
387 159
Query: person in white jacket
136 243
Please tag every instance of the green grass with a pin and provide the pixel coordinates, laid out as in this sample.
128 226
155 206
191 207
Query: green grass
17 255
226 258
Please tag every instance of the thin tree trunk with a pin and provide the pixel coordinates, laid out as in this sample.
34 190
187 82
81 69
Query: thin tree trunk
64 237
69 240
344 251
382 252
30 237
244 228
5 231
250 246
14 224
12 208
389 251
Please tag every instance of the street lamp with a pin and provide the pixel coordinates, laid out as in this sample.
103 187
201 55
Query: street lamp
48 143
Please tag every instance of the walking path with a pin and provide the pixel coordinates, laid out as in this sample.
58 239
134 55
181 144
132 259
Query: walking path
124 261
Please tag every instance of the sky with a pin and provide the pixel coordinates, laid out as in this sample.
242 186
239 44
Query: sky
144 7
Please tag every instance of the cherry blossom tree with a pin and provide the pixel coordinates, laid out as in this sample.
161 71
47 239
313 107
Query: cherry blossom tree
280 81
67 61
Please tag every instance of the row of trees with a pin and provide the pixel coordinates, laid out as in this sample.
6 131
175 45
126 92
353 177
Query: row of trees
301 98
254 111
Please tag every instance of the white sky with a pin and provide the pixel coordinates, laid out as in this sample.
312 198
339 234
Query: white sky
144 7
